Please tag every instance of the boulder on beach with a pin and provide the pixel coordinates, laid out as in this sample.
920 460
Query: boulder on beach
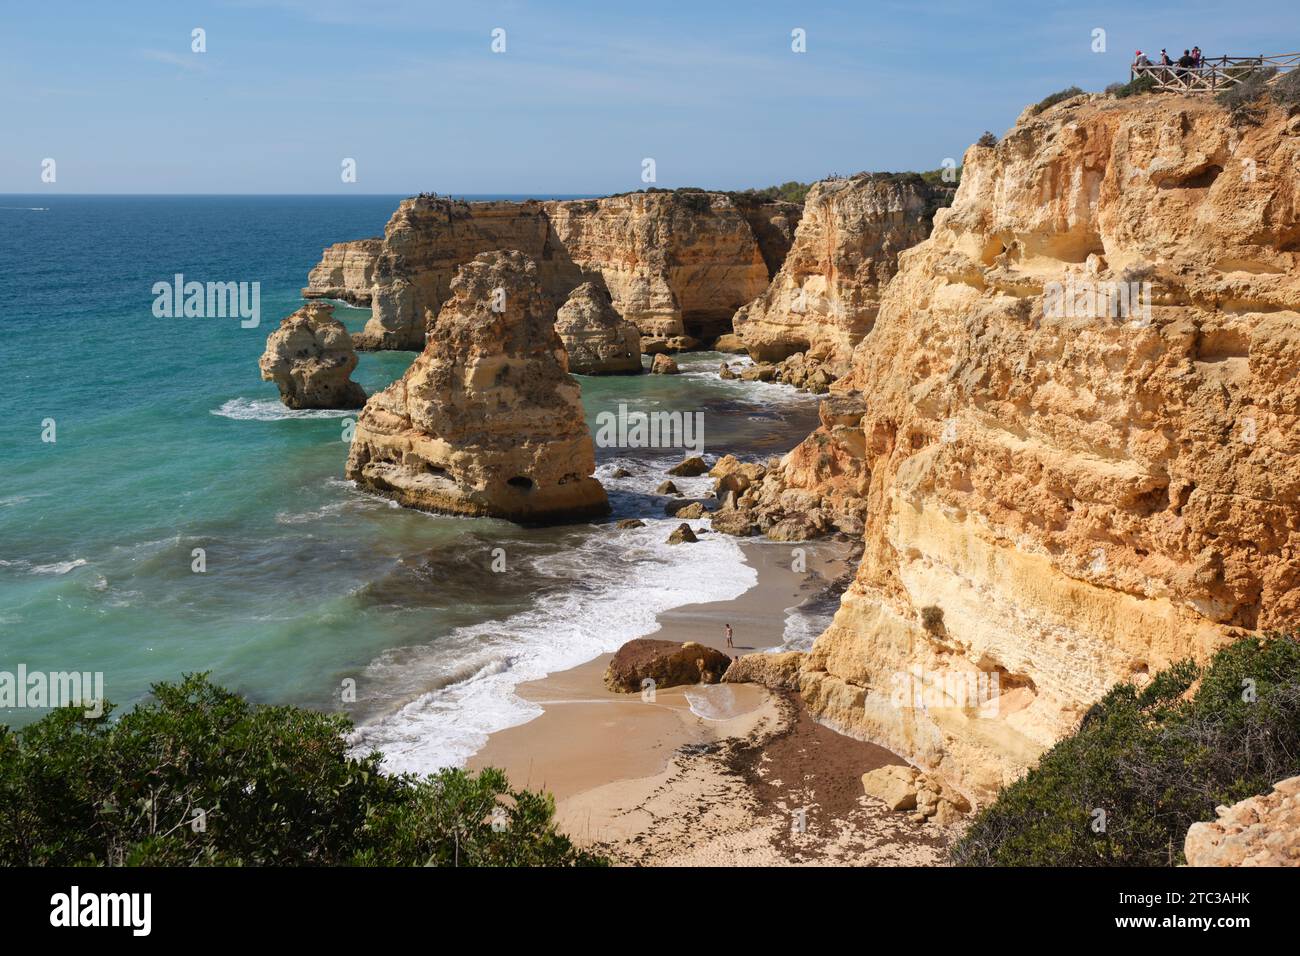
682 535
664 365
779 671
667 663
691 467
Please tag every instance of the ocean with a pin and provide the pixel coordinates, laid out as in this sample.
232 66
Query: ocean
165 440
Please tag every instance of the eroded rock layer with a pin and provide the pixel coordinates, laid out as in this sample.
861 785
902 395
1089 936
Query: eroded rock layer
346 271
487 421
1058 497
310 357
598 340
677 264
825 296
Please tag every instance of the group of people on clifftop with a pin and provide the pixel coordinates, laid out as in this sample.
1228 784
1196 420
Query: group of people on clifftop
1191 61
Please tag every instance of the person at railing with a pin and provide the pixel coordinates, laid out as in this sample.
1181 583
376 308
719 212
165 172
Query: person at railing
1140 61
1185 64
1197 59
1164 58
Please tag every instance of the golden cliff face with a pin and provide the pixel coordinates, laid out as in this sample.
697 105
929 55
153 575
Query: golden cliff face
487 420
346 271
1081 433
675 264
826 294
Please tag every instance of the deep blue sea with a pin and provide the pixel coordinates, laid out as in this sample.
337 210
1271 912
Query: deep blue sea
166 440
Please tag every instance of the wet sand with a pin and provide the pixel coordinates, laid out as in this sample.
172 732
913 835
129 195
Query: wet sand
731 774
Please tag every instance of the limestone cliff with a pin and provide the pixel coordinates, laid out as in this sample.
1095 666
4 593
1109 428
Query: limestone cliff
424 243
310 358
597 340
487 421
825 296
1063 493
346 271
677 264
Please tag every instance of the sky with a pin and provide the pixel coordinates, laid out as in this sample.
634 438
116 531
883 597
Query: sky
581 95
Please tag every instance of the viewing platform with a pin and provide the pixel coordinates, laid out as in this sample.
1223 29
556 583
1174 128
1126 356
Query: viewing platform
1213 74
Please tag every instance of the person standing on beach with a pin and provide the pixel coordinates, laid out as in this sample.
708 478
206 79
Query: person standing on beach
729 644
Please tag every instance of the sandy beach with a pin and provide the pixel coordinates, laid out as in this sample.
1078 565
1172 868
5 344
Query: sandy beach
728 774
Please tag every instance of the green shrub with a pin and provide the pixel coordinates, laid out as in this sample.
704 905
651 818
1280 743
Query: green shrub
1052 100
1240 98
1286 91
987 139
1155 760
199 776
1134 87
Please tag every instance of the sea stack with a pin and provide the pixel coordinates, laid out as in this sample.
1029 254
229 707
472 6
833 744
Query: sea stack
487 421
310 358
599 341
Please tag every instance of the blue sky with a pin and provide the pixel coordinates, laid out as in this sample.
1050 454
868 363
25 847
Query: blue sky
583 93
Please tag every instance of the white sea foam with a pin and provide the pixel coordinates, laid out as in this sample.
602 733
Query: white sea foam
271 410
623 580
713 701
58 567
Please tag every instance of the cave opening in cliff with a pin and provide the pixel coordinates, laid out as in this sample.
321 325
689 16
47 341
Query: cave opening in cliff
521 482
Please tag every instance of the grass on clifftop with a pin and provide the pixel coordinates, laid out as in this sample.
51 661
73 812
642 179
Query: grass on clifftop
199 776
1153 761
1061 95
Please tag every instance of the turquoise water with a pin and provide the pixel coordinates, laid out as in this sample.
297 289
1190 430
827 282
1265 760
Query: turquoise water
167 441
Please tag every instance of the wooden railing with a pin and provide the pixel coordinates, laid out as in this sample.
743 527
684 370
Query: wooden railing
1213 73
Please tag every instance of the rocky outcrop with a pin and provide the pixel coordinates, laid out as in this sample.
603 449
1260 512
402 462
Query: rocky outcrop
427 239
310 358
908 790
773 224
598 341
346 271
1061 497
818 488
825 296
487 421
676 264
665 663
1257 831
779 670
664 365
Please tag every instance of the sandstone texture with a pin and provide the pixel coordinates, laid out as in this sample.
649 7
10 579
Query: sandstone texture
310 358
346 271
1062 498
676 264
825 296
1258 831
666 663
487 420
598 340
908 789
779 671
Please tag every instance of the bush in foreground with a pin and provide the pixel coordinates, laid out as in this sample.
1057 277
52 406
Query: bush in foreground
1155 761
1060 96
199 776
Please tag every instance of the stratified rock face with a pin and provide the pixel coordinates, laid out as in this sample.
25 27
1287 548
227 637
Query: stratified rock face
346 271
1258 831
676 264
598 341
1062 502
487 421
309 357
424 243
827 293
774 224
